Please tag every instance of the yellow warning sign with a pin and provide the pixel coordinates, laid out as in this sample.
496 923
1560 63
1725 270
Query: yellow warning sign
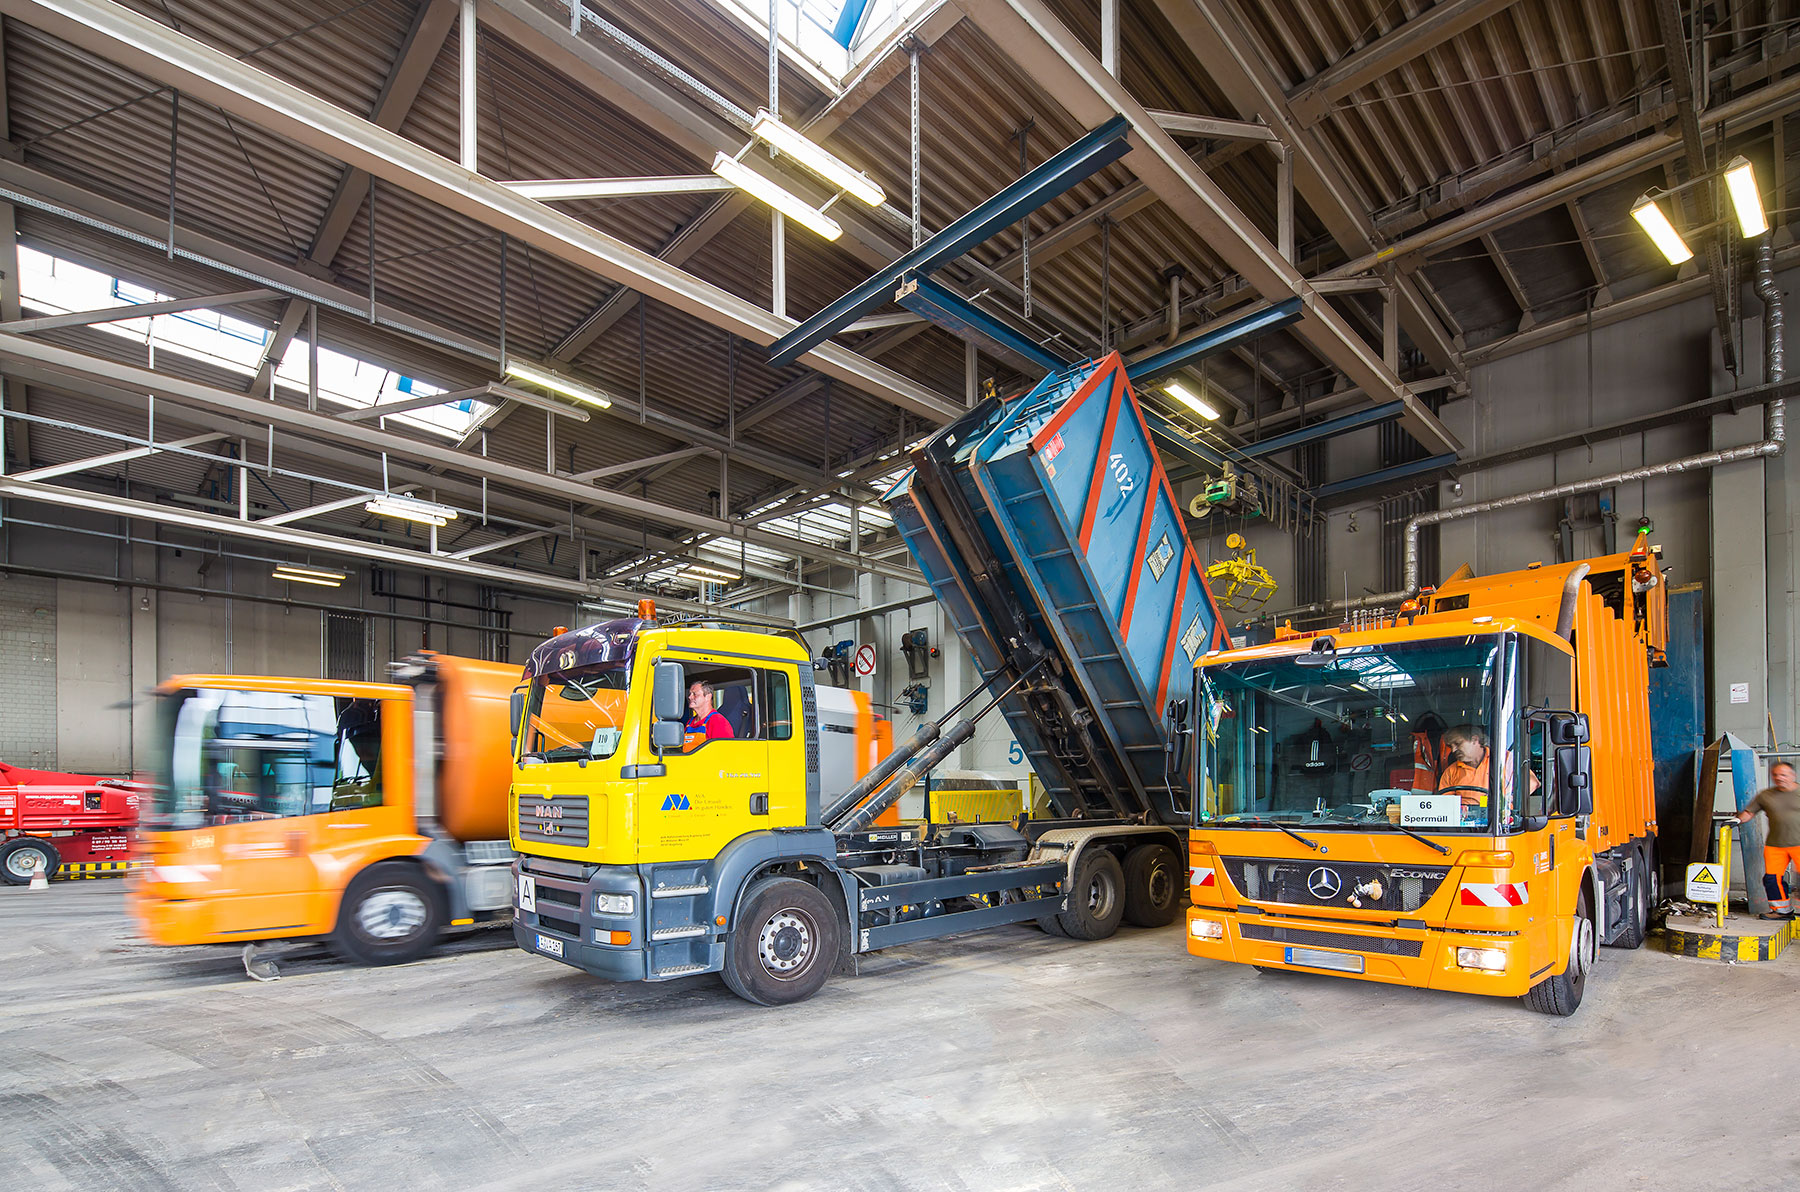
1703 884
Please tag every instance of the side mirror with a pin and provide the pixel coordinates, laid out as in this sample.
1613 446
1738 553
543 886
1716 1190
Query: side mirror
1574 780
1569 728
666 735
515 714
668 694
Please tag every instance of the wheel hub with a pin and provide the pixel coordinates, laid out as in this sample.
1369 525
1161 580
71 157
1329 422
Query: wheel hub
785 943
25 862
390 914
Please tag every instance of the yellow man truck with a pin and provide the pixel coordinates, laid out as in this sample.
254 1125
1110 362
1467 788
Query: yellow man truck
1458 796
372 814
1045 526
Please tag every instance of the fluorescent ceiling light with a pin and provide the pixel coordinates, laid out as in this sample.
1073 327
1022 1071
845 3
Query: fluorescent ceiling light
717 574
557 189
1740 180
1180 393
796 209
1651 218
556 383
308 575
826 165
412 509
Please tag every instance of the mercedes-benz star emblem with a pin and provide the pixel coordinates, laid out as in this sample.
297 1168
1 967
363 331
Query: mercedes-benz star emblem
1323 883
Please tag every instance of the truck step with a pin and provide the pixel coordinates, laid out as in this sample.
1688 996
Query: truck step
679 891
681 970
676 933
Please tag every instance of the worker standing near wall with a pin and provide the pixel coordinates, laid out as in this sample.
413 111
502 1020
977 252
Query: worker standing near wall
1781 802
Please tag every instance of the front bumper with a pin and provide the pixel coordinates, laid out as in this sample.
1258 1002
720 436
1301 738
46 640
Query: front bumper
179 922
669 934
1423 957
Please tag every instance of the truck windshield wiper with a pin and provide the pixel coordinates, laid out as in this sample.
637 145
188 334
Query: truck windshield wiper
1421 839
1311 844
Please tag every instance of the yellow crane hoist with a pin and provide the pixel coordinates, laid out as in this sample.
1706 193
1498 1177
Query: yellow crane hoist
1246 586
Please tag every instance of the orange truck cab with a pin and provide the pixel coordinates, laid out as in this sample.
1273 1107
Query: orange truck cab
374 814
1456 797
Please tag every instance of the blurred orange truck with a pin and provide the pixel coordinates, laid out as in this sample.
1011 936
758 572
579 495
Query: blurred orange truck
373 814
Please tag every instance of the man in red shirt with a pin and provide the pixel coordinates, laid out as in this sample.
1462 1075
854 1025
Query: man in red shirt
705 722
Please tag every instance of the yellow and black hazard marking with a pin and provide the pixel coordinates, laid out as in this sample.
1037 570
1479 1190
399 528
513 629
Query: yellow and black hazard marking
92 869
1707 945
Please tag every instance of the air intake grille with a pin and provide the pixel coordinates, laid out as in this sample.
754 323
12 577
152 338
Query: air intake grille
1330 939
553 820
1360 887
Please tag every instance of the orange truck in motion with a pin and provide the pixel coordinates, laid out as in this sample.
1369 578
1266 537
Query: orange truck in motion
1455 797
373 814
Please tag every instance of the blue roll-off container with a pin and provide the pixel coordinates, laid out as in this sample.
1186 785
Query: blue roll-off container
1046 526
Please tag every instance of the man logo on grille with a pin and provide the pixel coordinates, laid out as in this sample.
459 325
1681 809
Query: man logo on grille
1323 883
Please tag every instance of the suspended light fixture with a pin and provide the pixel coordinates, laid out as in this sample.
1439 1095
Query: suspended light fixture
1649 214
820 161
1180 393
1740 181
412 509
543 378
790 205
715 574
295 574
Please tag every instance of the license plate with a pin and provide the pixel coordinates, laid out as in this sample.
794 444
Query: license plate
527 893
1342 962
548 946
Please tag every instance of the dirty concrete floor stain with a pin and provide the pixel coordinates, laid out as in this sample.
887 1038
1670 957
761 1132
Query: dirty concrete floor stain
1003 1060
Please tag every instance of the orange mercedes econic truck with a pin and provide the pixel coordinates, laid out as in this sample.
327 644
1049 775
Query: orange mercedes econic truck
1455 796
373 814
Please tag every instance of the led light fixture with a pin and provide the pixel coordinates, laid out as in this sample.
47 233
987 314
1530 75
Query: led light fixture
716 574
294 573
795 208
1650 217
1181 394
543 378
792 142
1740 181
412 509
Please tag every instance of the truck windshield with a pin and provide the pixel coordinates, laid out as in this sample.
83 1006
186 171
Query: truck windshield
1399 736
577 714
226 756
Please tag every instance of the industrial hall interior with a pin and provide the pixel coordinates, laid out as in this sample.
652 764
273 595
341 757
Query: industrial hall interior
898 594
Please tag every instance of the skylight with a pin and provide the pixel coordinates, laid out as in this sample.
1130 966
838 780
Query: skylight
827 38
51 285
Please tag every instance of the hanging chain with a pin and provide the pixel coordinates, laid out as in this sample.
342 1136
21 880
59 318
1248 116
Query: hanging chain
1025 225
918 227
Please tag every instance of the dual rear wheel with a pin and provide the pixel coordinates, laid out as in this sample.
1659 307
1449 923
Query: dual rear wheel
1145 891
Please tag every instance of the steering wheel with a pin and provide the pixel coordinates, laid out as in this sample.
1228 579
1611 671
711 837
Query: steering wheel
1442 790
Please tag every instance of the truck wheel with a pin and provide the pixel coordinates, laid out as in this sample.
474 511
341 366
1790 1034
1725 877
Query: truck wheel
1096 897
391 915
1561 995
1637 905
25 856
784 945
1152 886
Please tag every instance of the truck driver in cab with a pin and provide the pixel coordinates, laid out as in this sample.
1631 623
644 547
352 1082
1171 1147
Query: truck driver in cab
705 721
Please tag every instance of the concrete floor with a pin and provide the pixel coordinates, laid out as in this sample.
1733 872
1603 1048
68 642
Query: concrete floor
1004 1060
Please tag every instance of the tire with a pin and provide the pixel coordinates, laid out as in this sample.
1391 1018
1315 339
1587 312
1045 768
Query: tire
1561 995
1052 925
1637 906
391 914
785 944
1152 886
24 856
1096 897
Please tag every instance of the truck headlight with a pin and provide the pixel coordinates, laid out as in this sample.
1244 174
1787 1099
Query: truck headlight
614 904
1492 960
1206 929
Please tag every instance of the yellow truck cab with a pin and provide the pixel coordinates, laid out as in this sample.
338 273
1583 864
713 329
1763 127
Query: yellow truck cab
373 814
1416 801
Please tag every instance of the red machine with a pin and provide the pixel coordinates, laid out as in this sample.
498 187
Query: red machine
72 822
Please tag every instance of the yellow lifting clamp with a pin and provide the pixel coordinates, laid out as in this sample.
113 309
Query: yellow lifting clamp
1247 586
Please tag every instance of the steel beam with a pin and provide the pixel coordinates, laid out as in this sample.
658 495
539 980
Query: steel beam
1097 149
1147 370
113 457
927 299
174 59
1330 428
324 507
501 543
1313 99
92 369
139 310
596 474
1214 128
1367 480
1061 64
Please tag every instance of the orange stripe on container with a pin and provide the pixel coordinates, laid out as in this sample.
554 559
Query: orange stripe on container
1106 442
1074 403
1162 687
1137 573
